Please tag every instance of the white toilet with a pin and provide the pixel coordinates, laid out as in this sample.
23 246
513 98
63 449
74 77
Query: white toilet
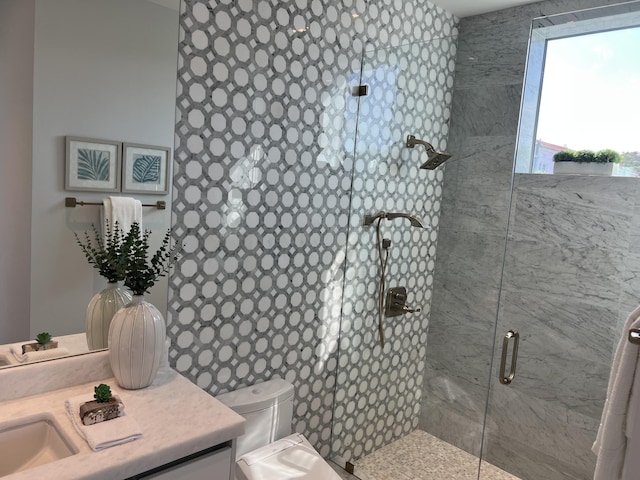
268 451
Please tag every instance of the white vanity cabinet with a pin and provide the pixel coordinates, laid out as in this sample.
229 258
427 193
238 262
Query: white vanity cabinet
186 433
213 464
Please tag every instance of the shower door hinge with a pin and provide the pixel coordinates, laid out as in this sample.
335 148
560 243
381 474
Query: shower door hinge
360 91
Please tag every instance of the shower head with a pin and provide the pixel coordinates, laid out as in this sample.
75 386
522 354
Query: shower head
415 221
434 158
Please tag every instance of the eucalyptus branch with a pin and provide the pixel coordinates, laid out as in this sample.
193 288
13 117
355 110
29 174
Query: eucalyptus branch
107 256
143 272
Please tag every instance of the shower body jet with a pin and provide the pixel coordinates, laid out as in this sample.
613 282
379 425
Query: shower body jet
415 221
434 158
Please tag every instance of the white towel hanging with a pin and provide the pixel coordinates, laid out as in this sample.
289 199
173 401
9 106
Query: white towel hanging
124 210
611 443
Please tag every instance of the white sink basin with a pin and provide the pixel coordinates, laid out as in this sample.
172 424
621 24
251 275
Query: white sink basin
32 441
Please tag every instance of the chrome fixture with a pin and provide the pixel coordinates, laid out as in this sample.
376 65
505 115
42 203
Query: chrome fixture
397 303
415 221
634 336
507 379
383 245
434 158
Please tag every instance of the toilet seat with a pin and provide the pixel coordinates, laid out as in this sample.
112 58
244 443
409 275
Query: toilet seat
290 458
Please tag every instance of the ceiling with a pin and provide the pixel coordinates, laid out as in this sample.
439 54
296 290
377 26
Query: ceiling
460 8
466 8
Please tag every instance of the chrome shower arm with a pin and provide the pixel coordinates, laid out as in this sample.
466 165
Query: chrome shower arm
369 219
415 221
412 141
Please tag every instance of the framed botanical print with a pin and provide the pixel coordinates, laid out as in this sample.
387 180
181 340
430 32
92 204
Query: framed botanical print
92 165
145 169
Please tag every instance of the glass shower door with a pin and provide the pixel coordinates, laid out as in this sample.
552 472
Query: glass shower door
570 278
566 292
425 390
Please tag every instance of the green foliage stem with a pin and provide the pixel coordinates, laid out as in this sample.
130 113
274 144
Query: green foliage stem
141 272
108 256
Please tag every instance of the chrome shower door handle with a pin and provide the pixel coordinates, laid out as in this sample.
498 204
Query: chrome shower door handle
507 379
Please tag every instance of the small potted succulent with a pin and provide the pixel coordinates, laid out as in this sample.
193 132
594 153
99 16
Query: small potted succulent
105 406
137 333
586 162
44 341
109 256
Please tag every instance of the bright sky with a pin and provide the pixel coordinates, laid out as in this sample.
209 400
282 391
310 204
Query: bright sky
591 92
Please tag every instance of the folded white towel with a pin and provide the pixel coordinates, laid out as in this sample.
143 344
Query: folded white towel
124 210
16 349
102 435
610 444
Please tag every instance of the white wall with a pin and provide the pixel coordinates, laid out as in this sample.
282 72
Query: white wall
16 72
104 69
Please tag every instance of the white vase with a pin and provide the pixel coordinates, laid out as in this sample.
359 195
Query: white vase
136 343
101 310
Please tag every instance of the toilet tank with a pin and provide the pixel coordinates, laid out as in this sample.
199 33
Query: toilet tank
268 409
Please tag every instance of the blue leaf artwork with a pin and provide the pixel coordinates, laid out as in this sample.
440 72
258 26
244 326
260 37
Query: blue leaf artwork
146 169
93 165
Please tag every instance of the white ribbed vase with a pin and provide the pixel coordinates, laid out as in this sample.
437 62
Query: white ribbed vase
100 311
136 343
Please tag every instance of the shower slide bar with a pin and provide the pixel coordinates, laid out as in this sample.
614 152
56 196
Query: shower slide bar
634 336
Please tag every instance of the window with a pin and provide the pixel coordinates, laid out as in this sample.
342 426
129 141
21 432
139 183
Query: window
582 88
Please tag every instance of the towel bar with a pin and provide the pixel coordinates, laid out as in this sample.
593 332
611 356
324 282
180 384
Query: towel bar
72 202
634 336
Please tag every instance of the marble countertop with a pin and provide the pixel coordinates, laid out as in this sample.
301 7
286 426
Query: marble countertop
176 418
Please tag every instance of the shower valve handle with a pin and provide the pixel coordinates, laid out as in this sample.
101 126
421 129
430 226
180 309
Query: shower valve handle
396 302
406 309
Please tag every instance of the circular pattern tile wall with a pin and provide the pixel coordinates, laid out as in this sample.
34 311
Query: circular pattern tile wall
262 189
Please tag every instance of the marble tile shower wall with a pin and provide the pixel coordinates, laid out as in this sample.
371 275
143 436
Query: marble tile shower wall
379 390
262 185
489 72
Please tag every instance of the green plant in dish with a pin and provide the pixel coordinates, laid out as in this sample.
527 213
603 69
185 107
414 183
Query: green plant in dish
44 341
565 156
106 406
588 156
102 393
608 156
43 338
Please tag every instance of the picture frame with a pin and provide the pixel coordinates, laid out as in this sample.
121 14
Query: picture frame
92 164
145 169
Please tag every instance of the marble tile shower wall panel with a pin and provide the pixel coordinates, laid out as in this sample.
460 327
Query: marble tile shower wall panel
490 66
379 389
262 180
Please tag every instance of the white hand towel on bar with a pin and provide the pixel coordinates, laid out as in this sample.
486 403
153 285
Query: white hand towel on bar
124 210
102 435
611 442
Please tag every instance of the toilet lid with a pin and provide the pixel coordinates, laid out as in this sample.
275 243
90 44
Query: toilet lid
291 458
